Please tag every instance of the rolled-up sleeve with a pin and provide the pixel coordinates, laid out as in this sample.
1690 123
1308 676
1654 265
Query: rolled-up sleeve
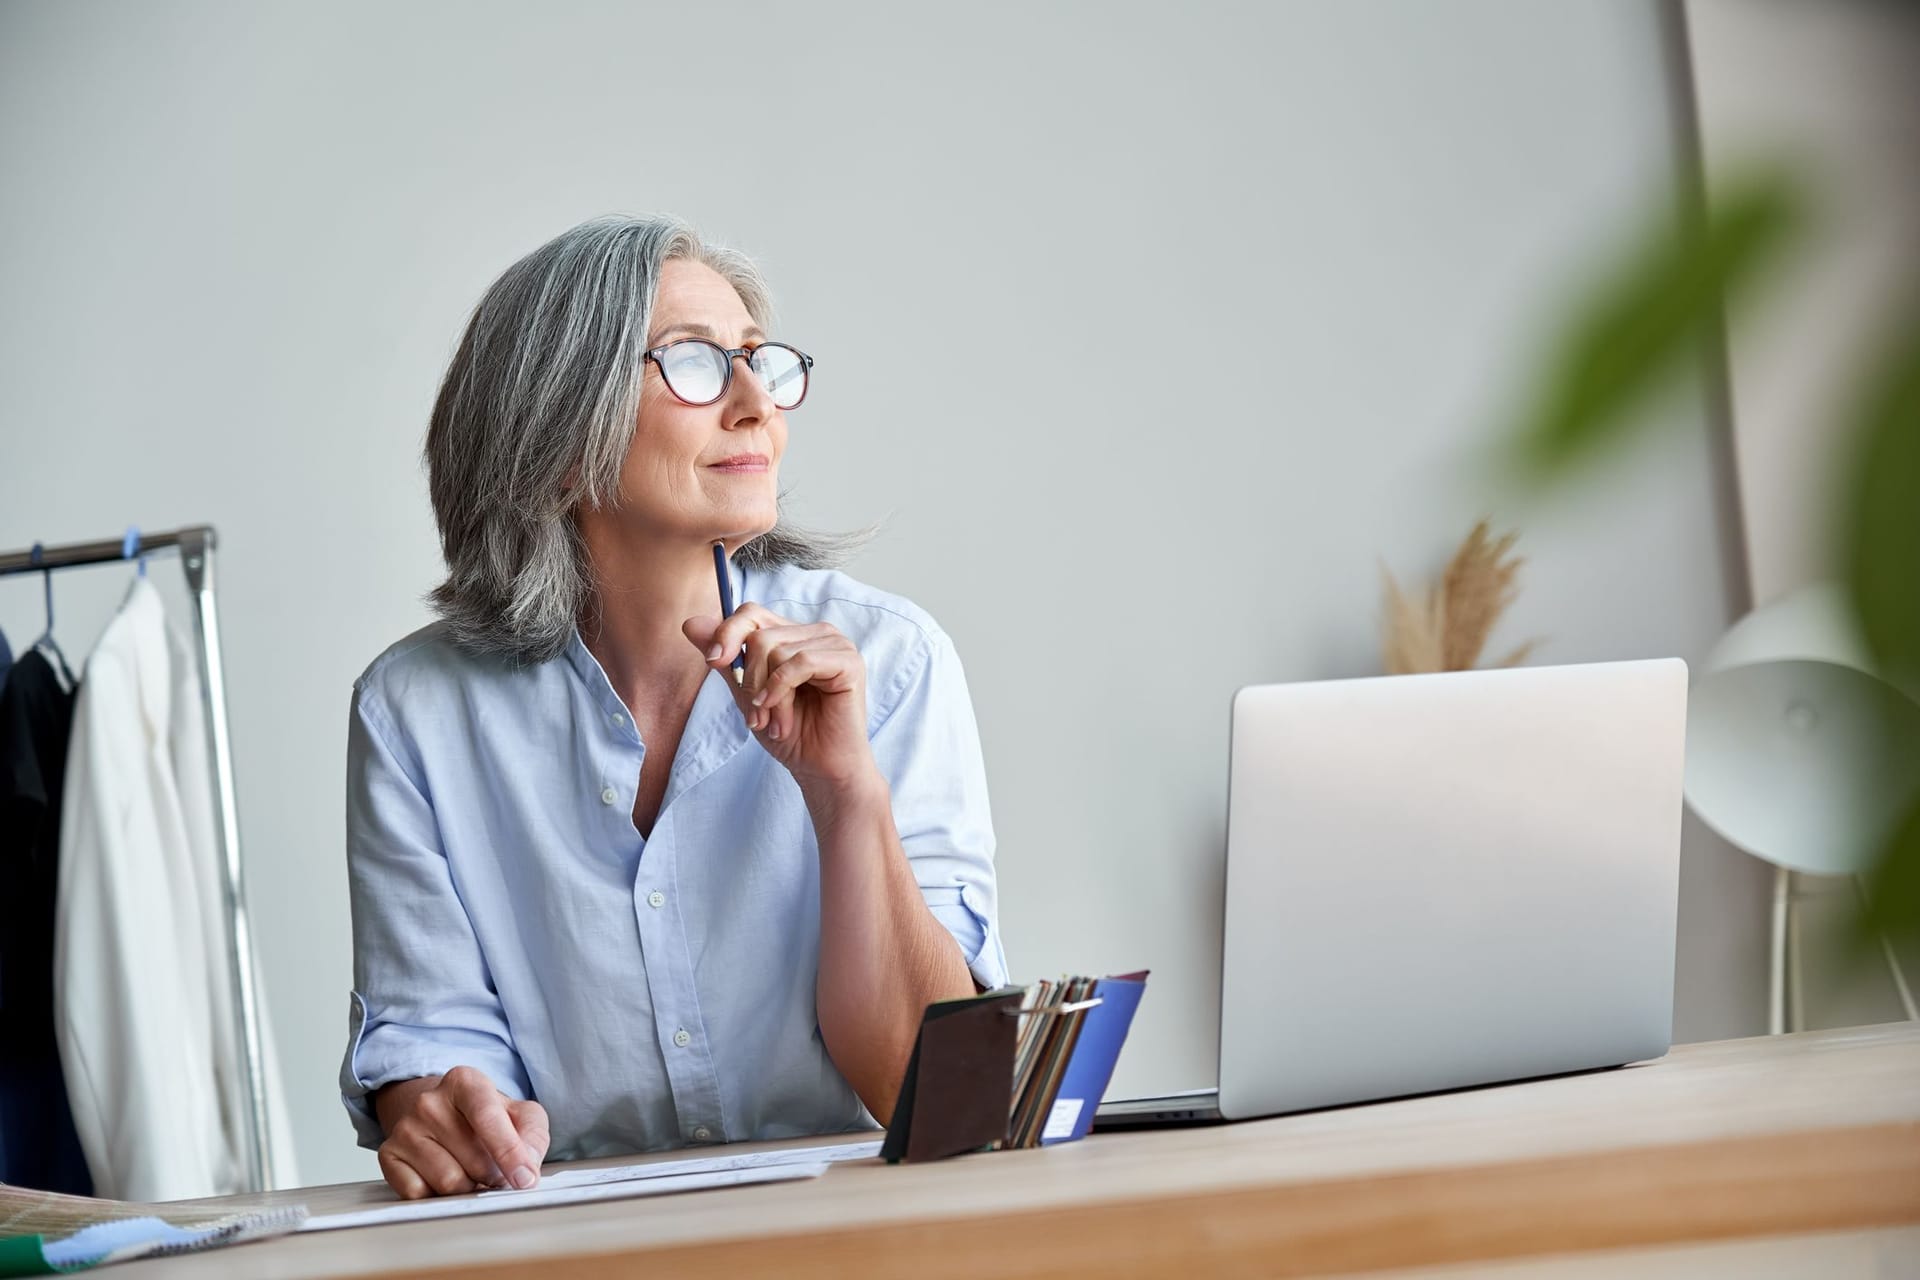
927 744
423 1001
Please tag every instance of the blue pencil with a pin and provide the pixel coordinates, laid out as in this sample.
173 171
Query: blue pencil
726 605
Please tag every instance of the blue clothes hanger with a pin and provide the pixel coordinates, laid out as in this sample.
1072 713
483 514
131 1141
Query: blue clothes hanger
130 547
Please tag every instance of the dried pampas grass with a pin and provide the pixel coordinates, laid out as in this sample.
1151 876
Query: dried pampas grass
1446 627
1414 626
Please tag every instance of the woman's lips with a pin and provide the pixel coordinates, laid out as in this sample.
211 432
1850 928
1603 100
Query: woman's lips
742 463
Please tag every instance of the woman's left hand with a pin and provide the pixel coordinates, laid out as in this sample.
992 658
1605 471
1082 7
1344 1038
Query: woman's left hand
805 692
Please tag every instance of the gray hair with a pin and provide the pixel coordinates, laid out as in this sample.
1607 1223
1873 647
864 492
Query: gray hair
535 416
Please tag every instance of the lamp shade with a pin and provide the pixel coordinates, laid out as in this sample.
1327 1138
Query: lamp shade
1796 751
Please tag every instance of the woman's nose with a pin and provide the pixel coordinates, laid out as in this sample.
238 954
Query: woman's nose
748 397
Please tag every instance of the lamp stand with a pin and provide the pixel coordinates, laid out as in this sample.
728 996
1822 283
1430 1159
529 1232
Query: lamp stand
1786 996
1784 1012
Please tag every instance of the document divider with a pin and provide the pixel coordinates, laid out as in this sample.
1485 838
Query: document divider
962 1091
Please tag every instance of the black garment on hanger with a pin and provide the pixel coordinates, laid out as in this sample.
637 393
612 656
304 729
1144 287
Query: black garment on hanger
38 1145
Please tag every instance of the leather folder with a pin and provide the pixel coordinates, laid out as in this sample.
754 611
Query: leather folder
954 1096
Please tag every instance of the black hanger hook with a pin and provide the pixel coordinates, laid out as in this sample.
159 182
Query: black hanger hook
39 558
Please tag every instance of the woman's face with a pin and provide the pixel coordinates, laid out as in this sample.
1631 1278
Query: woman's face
709 471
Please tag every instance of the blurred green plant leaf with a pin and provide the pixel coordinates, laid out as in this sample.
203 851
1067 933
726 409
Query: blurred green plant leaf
1651 320
1893 886
1880 539
1880 514
1649 323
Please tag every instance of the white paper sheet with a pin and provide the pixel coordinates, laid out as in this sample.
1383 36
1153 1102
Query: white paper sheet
542 1196
708 1164
576 1186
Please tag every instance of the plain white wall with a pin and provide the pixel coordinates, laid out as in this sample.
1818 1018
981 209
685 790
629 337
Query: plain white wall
1151 333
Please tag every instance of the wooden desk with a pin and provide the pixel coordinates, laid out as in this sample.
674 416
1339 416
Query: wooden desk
1787 1137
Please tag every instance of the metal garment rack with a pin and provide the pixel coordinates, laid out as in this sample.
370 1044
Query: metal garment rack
196 546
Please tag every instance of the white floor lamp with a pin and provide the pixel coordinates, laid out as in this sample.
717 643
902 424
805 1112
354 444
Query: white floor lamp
1799 754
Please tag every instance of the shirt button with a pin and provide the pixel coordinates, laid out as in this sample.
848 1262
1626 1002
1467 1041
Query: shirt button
656 899
702 1133
608 796
681 1038
619 721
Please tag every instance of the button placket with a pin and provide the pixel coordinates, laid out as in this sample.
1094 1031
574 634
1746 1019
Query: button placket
691 1078
714 734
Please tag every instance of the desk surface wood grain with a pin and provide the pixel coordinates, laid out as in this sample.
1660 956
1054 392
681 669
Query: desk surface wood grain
1791 1136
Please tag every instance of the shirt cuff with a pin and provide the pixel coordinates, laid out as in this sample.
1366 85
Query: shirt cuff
379 1053
955 907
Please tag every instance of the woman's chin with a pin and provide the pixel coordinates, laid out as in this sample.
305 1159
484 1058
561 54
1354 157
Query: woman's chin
737 527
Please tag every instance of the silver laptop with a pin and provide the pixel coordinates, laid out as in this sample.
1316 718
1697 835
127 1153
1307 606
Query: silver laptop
1439 881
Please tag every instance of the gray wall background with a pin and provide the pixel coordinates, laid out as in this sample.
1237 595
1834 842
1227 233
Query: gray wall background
1150 335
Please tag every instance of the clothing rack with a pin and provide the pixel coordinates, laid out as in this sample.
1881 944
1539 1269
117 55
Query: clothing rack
196 546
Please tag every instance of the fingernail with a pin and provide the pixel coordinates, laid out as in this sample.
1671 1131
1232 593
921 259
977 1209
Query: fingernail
774 732
524 1177
759 697
713 654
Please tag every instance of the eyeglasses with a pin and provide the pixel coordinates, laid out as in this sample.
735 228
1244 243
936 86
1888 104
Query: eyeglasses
699 372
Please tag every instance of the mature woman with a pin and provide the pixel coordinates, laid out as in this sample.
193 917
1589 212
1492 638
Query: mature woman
606 897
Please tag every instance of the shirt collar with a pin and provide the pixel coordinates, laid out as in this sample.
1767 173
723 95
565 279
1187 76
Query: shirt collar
715 728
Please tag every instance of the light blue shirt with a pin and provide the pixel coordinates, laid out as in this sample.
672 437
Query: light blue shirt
653 992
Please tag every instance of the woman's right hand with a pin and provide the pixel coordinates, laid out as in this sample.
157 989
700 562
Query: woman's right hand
457 1133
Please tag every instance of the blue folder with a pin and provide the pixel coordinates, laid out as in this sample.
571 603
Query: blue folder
1095 1051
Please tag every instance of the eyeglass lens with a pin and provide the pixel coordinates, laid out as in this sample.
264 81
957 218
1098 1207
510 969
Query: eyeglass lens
696 371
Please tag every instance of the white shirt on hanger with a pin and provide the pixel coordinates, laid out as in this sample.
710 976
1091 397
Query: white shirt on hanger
143 997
